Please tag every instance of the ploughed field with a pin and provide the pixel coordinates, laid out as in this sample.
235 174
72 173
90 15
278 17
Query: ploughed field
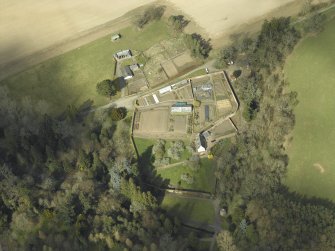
310 71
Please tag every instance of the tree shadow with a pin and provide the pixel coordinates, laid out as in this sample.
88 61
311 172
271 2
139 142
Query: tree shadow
150 179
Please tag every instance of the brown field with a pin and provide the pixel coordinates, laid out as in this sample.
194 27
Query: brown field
29 26
225 128
180 123
32 31
183 59
185 92
219 16
154 121
169 68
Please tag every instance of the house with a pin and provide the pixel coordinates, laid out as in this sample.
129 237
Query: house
201 144
181 108
123 54
115 37
127 72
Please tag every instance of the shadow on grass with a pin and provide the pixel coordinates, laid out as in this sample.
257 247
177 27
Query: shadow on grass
149 177
183 211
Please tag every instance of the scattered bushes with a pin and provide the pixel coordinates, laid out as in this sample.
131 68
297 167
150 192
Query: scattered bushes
178 23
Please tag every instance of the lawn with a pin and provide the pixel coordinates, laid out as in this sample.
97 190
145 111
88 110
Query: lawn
188 209
71 78
310 71
204 178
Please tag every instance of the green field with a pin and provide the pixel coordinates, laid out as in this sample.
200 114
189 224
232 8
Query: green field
204 178
71 78
311 72
188 209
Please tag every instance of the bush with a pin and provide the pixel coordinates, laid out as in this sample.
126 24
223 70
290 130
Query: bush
187 178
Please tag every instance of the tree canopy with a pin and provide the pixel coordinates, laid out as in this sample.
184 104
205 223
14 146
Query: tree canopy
107 88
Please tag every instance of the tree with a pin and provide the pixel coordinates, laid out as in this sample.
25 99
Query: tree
159 149
315 24
198 46
106 88
176 149
152 13
84 160
226 56
118 113
225 242
194 162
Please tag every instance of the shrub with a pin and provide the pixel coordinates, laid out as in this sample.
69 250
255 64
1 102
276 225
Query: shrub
187 178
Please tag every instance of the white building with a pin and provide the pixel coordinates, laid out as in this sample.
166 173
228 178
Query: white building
181 109
200 143
165 90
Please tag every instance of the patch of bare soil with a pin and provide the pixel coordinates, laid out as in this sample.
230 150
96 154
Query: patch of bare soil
319 167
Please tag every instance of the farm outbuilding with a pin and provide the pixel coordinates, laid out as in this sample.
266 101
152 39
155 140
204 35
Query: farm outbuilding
123 54
115 37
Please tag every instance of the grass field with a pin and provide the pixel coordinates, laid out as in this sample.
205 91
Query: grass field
71 78
310 71
204 178
187 209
